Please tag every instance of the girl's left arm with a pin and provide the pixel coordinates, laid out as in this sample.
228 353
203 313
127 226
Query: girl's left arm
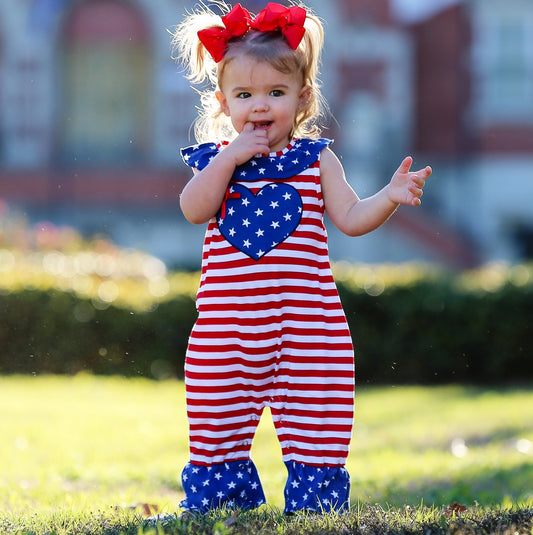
355 216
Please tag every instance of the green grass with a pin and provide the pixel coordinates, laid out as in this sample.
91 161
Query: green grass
78 454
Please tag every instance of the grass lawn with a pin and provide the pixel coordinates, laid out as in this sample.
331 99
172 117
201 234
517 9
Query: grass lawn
87 450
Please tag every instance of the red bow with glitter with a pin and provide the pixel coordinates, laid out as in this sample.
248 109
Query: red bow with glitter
215 39
290 21
275 17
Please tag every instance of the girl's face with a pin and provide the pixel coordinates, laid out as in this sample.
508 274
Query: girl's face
253 91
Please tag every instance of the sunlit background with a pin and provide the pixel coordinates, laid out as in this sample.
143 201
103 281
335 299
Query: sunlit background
98 267
93 112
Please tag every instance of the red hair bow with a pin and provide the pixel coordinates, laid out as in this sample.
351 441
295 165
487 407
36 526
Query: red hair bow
215 39
290 21
277 17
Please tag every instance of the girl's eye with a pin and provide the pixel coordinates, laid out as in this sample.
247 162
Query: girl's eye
244 95
276 93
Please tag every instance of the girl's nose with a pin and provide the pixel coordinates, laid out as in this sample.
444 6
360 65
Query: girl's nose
260 105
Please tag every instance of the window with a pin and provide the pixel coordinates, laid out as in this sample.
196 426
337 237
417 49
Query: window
104 105
503 61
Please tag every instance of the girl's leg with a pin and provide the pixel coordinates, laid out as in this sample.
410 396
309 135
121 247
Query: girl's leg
224 406
313 416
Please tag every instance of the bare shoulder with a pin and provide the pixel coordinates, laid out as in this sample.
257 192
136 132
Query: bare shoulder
328 158
330 167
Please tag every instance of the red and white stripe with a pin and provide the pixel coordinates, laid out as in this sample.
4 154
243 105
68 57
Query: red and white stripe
271 333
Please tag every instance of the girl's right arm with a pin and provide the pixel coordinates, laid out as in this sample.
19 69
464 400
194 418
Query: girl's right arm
202 197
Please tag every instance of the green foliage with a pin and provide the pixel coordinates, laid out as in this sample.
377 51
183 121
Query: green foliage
67 305
434 327
57 332
410 324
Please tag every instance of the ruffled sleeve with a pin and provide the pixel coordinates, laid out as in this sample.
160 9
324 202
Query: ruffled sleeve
198 156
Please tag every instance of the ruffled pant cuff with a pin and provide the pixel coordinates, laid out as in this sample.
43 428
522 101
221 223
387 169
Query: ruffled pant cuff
316 488
233 484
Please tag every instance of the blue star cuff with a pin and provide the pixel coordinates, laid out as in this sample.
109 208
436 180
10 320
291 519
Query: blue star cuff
316 488
233 484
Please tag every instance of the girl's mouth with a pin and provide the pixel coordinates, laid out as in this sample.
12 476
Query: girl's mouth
263 125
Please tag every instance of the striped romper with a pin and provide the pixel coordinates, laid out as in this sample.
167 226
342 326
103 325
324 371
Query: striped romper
271 332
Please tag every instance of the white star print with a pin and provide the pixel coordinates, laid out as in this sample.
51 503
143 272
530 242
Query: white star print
274 204
275 224
280 167
232 485
259 212
260 233
295 484
287 217
231 211
247 244
262 171
245 202
287 196
194 489
232 232
245 223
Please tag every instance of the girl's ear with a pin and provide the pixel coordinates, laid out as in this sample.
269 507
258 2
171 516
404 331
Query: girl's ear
305 95
222 102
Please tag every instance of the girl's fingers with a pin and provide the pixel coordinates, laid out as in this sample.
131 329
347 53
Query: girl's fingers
405 165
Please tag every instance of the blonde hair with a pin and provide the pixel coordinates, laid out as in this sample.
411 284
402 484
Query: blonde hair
270 47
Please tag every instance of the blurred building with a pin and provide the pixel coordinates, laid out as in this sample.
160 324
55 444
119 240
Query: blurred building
93 111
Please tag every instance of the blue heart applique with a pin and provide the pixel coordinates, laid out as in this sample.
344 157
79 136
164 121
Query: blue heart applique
257 223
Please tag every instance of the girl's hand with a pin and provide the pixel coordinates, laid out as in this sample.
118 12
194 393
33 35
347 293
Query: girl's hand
249 143
406 187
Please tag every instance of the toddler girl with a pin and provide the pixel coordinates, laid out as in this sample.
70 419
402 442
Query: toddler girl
270 331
